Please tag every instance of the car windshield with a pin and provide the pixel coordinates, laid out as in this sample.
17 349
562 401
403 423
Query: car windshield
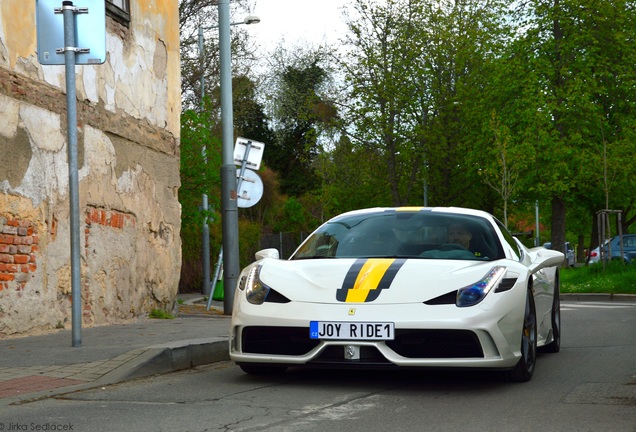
403 234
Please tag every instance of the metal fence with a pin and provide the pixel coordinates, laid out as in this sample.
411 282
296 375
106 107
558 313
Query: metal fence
285 242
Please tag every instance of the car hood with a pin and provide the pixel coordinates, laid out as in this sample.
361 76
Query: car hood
382 281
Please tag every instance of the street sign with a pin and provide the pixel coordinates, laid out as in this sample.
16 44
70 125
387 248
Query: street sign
250 190
90 32
254 156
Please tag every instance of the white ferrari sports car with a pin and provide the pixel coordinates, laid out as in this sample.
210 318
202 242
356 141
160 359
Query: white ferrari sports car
400 287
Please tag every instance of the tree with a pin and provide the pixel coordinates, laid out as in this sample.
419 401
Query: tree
377 74
200 174
201 120
416 72
350 179
581 54
301 112
464 40
506 162
200 69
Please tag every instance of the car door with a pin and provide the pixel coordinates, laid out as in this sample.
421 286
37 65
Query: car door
629 246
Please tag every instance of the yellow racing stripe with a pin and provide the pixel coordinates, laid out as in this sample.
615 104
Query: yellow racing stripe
368 278
408 209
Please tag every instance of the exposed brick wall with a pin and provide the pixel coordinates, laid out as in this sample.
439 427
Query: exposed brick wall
18 247
107 218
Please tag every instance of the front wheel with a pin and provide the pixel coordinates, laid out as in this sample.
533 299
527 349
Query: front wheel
524 369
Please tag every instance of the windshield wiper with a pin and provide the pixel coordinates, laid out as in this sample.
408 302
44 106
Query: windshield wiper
313 257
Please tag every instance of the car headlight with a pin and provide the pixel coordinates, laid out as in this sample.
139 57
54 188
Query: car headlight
255 290
473 294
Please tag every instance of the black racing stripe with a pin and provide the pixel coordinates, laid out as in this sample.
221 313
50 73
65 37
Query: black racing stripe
350 279
390 273
387 279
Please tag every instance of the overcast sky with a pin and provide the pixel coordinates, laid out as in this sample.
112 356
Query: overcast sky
297 21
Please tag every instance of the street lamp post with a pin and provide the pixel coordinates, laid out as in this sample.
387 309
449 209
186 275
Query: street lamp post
229 203
425 175
205 249
250 19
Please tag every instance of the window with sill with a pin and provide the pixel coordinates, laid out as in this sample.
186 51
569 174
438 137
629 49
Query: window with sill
119 10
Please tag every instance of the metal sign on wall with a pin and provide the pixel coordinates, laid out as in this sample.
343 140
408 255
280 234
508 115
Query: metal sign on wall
90 32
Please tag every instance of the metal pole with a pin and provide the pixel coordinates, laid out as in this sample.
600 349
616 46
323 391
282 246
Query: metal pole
280 242
601 250
228 170
220 260
217 270
201 60
205 289
205 230
425 193
239 181
619 224
71 121
537 239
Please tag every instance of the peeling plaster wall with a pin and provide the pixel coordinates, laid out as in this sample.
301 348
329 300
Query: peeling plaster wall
128 149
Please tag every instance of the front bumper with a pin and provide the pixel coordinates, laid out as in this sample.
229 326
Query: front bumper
487 335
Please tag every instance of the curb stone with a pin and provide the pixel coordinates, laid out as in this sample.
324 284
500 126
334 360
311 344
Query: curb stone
154 360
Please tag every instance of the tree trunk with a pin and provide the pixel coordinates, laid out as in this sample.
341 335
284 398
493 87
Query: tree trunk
558 224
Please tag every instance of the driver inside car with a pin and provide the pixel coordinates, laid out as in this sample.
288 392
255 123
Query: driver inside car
459 234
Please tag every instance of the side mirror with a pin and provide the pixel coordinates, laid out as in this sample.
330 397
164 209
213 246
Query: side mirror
267 253
546 258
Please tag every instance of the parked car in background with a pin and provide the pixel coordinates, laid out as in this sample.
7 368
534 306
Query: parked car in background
594 255
570 256
612 249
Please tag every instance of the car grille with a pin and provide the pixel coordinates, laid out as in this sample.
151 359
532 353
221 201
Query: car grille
436 344
277 340
407 343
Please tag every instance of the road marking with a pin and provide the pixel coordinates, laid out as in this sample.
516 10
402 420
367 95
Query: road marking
596 305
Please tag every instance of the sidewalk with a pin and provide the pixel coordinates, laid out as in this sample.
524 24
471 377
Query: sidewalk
40 366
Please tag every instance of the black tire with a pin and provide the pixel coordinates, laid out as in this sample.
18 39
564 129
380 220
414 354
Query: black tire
555 345
524 369
262 369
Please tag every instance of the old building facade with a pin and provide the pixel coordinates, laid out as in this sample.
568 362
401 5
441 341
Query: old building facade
128 113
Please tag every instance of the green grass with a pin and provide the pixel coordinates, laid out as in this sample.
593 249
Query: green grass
616 278
160 314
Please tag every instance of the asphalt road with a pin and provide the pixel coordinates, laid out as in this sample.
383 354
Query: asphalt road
589 386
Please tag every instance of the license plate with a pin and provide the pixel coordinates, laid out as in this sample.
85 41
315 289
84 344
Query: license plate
348 330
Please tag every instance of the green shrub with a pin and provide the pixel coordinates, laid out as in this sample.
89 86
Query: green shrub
160 314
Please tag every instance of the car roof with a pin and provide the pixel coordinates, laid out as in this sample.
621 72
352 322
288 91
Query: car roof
455 210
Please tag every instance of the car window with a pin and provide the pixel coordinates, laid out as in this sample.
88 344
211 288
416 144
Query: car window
404 234
510 240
